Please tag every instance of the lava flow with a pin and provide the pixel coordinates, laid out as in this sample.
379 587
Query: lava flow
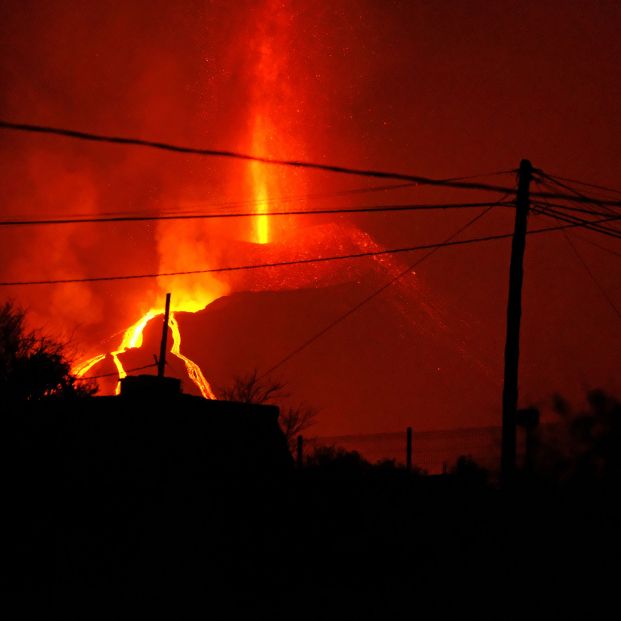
133 339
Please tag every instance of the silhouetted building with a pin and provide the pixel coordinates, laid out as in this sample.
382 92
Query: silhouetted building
150 435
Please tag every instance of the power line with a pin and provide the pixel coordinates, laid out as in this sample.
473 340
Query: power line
372 209
583 262
549 211
91 137
604 248
592 276
589 212
370 297
595 201
128 371
546 209
416 179
237 268
584 183
589 224
272 200
578 198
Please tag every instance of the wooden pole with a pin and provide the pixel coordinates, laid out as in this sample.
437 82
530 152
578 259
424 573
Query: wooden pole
161 363
514 313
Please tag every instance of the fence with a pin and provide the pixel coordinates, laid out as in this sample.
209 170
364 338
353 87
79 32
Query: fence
432 451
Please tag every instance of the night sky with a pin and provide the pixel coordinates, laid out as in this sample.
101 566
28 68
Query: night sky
437 89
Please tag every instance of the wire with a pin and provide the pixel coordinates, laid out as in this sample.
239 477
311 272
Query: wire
575 199
272 200
92 377
604 248
78 135
372 296
550 212
592 276
589 224
584 198
213 270
275 200
576 195
588 185
589 212
373 209
415 179
236 268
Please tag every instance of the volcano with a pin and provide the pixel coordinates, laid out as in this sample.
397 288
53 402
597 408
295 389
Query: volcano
381 364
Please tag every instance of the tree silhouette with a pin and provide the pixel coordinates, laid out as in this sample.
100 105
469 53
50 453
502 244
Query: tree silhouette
32 365
586 446
251 388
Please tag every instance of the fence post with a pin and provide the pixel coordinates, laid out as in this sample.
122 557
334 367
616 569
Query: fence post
408 448
300 452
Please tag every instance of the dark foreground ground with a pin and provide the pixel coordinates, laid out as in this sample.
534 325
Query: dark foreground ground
323 542
111 510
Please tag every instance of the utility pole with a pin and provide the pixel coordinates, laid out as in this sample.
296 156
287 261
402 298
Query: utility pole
161 363
514 313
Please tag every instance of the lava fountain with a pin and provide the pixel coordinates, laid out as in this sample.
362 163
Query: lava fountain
182 245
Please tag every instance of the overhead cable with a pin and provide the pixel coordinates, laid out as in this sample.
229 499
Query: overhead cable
209 216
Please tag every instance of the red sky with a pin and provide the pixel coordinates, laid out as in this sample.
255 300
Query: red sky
440 89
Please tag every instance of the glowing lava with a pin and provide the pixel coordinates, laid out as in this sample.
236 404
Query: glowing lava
259 178
261 222
133 339
194 371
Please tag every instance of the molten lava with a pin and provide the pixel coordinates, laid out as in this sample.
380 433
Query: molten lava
133 339
194 371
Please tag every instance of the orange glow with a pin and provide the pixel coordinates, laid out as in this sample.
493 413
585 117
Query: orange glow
261 223
269 114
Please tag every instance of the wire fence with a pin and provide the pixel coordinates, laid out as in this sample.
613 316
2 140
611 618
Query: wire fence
434 452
